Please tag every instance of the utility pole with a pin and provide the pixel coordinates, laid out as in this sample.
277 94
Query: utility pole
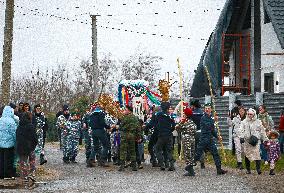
95 67
7 52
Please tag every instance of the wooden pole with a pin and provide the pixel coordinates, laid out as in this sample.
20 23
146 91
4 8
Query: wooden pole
7 52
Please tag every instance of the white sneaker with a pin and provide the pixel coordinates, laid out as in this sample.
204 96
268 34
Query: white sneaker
266 163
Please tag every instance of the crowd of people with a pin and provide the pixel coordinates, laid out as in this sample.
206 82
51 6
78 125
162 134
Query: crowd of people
121 140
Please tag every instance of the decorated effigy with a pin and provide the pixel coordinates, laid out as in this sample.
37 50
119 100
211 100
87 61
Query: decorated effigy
136 93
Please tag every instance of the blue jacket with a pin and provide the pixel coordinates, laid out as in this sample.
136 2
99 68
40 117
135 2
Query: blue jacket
7 128
163 123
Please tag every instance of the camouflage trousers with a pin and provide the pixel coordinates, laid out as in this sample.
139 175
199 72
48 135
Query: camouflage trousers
64 144
39 148
72 146
188 143
127 146
88 139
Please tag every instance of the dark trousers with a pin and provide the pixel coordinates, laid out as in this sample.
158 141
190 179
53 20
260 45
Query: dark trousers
257 164
281 141
197 139
152 142
164 147
210 144
7 162
100 138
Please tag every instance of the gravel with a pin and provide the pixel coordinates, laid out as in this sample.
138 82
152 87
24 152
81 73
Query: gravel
78 178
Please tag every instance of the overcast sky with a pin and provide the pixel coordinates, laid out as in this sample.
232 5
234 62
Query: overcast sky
47 40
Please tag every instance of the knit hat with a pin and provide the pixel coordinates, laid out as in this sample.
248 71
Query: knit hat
187 112
12 105
65 107
238 102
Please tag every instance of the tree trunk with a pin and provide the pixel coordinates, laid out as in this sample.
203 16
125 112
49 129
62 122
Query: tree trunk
7 52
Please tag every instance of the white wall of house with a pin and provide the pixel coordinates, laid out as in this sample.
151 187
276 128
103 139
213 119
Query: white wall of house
271 63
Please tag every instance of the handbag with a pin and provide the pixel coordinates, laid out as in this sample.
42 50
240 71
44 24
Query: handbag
253 140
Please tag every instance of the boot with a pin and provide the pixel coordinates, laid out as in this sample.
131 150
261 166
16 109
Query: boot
202 165
166 164
190 171
240 165
89 163
257 164
162 166
247 162
155 164
172 166
42 160
140 166
121 167
66 160
221 171
134 166
73 160
271 172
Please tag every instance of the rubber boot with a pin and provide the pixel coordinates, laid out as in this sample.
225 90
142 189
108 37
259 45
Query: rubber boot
272 172
257 164
121 167
42 160
134 166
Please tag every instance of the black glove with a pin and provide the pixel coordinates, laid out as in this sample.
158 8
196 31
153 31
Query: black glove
242 140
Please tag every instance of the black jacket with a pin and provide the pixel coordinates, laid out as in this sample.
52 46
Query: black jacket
97 120
26 138
163 123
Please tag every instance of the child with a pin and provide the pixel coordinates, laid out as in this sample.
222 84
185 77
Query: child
273 150
115 145
73 129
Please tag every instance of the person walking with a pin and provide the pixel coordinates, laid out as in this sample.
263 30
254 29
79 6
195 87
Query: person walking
207 138
252 132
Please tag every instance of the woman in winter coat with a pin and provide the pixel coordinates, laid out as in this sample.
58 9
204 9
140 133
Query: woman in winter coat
268 124
26 143
8 128
236 123
251 134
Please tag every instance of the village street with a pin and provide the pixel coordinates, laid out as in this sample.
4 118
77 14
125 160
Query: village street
79 178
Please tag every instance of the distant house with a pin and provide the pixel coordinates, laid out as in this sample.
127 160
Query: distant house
245 52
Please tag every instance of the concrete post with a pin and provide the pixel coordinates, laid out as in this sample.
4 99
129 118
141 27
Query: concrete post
259 98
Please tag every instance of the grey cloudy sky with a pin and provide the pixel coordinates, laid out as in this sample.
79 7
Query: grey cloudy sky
49 40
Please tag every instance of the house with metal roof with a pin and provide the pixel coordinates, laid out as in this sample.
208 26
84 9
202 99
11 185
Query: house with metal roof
245 52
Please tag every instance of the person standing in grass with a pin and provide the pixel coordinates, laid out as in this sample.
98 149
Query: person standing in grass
273 150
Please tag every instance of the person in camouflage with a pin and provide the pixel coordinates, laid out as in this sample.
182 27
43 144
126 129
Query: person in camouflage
61 124
39 122
73 127
188 130
88 139
129 125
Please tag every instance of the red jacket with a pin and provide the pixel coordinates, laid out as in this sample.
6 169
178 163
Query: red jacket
281 124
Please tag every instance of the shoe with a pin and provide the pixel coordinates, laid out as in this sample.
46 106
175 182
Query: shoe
66 160
155 164
121 167
172 167
167 164
266 163
73 160
259 172
42 160
134 166
272 172
202 165
221 171
248 172
189 174
103 164
140 166
240 165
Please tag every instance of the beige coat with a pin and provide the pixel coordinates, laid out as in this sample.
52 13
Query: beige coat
252 127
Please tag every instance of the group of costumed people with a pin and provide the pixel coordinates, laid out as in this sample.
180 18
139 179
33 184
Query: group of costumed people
123 134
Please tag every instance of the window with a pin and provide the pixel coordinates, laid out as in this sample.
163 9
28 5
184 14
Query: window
269 82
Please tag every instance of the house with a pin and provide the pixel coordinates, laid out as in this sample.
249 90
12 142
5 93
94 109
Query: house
245 52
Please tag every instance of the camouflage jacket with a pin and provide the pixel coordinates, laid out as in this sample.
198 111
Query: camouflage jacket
187 128
73 128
